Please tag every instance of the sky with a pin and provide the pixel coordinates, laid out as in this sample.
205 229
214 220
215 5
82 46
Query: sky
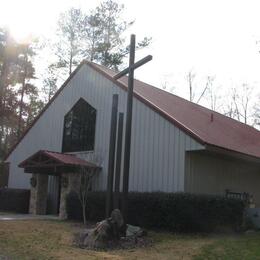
212 38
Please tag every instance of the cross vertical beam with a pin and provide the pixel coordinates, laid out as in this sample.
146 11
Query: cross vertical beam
118 160
111 160
128 127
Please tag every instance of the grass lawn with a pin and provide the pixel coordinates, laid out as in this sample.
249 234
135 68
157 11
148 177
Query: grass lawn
41 239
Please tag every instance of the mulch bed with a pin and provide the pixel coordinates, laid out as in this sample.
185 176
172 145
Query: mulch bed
122 243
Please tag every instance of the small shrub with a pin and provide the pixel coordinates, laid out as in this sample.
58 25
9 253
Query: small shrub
14 200
95 210
181 212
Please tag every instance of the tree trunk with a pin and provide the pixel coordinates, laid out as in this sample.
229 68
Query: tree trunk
71 56
20 112
70 68
84 213
22 97
3 77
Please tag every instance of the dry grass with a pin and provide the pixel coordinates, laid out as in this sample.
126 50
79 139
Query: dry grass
39 239
42 239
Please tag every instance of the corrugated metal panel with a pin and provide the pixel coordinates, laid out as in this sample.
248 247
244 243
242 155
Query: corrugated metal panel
158 147
212 174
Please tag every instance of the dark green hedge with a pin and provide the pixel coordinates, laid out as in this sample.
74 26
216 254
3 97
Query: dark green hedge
181 212
14 200
4 174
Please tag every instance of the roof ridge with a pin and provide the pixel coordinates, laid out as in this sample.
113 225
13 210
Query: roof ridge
56 152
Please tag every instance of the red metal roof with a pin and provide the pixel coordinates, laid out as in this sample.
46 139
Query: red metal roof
205 125
69 159
194 119
59 158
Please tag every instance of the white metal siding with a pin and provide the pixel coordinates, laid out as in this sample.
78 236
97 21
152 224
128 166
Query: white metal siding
157 149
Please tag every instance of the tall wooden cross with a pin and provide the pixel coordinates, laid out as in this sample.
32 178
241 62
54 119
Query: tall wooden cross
130 71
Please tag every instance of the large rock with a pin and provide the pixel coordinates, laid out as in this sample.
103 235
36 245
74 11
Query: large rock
112 233
134 231
117 218
105 231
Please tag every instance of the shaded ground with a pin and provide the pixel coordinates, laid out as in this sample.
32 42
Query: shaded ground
51 239
13 216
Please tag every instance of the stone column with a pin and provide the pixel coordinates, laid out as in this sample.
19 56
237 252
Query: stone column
69 182
42 193
38 199
63 193
32 208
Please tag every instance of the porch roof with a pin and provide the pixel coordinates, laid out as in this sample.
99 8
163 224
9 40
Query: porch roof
54 163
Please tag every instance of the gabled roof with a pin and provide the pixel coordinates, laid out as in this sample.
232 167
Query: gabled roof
204 125
47 159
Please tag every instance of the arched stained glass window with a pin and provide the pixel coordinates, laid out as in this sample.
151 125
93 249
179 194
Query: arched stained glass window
79 128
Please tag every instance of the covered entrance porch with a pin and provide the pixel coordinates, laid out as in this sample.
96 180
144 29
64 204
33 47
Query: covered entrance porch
54 175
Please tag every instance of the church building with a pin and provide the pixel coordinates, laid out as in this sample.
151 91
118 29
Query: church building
176 145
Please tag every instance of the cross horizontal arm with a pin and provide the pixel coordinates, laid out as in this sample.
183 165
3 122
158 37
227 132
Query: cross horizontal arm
134 66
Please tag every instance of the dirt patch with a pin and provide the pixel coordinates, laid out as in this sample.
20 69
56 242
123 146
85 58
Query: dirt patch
122 243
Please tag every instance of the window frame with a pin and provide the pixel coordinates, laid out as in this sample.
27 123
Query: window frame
64 129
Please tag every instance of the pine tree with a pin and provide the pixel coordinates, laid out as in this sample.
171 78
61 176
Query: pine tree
111 48
8 59
25 75
97 36
92 34
70 33
50 83
19 99
109 52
